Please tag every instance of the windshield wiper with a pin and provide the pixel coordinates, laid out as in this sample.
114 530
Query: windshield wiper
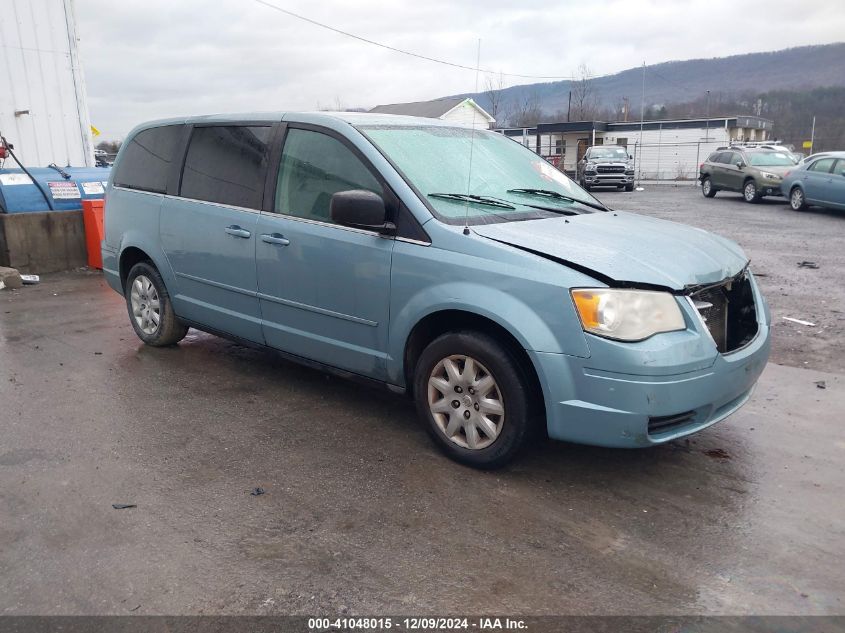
548 193
465 197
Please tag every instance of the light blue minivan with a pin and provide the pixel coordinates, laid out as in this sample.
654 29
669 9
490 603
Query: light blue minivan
451 264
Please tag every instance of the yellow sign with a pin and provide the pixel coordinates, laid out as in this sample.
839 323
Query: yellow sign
808 145
95 131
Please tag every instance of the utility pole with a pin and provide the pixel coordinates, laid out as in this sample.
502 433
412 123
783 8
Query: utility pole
813 135
569 107
642 116
707 123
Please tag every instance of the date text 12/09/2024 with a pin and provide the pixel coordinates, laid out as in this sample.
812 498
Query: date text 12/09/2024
416 624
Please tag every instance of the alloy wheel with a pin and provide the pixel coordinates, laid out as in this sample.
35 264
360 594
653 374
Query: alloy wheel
465 402
750 191
146 305
796 199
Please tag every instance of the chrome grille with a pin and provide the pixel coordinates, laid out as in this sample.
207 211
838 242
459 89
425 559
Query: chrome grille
611 169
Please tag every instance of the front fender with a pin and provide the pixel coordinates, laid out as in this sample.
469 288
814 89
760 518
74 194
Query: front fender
504 309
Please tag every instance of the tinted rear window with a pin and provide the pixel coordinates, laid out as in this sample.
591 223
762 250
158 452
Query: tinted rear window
227 165
145 161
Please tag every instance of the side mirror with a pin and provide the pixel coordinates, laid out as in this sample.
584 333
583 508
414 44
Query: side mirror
740 164
360 209
630 157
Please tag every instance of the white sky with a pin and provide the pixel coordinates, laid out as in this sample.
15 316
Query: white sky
146 59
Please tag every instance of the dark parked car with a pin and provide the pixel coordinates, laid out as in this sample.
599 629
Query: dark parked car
820 181
606 166
752 172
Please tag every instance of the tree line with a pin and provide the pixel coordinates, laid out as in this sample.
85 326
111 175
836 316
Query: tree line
791 110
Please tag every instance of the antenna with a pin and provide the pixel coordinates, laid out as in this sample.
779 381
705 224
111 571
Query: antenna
472 140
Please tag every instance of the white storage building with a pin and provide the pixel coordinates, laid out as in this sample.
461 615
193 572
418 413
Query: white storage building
664 150
43 105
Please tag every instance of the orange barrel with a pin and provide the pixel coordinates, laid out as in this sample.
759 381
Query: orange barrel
92 217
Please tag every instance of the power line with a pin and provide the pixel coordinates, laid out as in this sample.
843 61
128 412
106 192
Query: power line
402 51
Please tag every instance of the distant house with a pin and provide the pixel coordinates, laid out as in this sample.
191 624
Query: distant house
455 109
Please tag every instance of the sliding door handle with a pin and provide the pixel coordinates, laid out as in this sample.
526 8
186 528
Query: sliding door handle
275 238
237 231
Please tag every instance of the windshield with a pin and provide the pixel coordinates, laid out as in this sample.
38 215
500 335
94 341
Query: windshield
436 161
609 152
771 159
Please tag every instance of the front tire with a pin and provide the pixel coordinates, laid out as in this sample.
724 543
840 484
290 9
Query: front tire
707 188
629 187
150 309
474 399
797 201
750 193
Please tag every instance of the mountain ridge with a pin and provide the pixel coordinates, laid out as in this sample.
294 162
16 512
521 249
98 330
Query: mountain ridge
678 81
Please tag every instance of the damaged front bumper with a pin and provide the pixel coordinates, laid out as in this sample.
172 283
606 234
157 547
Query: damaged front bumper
640 394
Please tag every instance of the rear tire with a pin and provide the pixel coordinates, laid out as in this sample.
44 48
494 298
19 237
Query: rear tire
750 193
707 188
797 201
150 309
492 420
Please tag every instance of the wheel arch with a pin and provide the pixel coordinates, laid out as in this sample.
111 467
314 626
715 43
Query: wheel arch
136 247
441 322
128 258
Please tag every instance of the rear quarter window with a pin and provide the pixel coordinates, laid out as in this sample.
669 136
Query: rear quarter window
146 159
227 164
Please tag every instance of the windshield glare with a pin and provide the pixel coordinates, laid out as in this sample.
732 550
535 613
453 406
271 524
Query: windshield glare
771 159
436 159
608 152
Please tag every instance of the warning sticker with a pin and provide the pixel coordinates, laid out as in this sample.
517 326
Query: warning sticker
92 188
64 190
15 179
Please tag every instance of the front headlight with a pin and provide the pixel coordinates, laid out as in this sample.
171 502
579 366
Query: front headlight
627 315
769 175
590 166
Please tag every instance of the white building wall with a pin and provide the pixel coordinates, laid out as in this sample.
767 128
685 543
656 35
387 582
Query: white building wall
466 114
670 154
40 72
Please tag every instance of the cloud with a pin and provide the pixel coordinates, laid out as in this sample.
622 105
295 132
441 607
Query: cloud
151 59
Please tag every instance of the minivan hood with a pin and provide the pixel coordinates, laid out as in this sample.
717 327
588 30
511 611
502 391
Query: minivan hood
626 249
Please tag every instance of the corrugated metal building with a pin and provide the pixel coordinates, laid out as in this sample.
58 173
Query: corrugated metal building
664 150
43 105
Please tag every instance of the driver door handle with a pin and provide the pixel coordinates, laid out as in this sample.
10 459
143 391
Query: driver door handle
275 238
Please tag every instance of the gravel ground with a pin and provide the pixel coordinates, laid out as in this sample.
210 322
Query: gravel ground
776 239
